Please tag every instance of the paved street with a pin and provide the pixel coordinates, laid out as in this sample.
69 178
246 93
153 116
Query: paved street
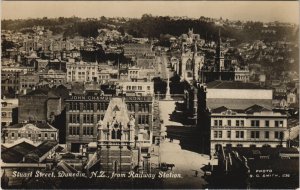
166 108
186 162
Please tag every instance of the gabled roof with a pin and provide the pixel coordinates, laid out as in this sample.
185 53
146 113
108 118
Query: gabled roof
116 108
219 109
39 125
256 108
16 153
43 148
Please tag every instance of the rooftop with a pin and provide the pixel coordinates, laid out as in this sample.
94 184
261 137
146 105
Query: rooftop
40 125
232 85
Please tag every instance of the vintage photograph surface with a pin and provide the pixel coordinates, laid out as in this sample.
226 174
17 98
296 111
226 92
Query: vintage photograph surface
149 95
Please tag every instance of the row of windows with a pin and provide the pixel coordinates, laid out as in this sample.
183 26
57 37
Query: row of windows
253 134
277 135
87 118
143 119
74 118
30 135
241 123
256 123
88 130
103 106
238 123
88 106
238 134
74 130
136 88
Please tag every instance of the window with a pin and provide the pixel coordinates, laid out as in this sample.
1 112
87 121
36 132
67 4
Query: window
229 122
19 135
237 123
279 135
267 123
215 122
29 135
254 123
220 134
278 123
46 135
12 134
52 135
228 134
40 135
239 134
254 134
266 134
215 134
242 123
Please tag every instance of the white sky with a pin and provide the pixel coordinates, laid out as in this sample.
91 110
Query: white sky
233 10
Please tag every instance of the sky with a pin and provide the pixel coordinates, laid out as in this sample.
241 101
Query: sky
265 11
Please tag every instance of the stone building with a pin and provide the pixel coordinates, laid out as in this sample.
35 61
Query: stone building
254 126
39 105
84 111
35 132
116 138
82 71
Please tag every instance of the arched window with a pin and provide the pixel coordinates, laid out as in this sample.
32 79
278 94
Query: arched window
119 134
189 64
113 134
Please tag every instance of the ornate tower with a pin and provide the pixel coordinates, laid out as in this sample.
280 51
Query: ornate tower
219 57
116 136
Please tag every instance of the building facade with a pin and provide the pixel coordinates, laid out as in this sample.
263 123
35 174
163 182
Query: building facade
37 133
82 71
83 112
255 126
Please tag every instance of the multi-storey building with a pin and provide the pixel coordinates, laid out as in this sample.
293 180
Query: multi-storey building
255 126
82 71
8 111
137 88
10 78
28 81
37 133
84 111
135 49
53 76
39 105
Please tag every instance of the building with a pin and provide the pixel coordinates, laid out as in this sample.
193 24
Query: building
24 152
190 64
135 50
35 132
136 88
28 81
237 95
8 111
53 76
82 71
39 105
255 126
84 111
10 78
116 138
